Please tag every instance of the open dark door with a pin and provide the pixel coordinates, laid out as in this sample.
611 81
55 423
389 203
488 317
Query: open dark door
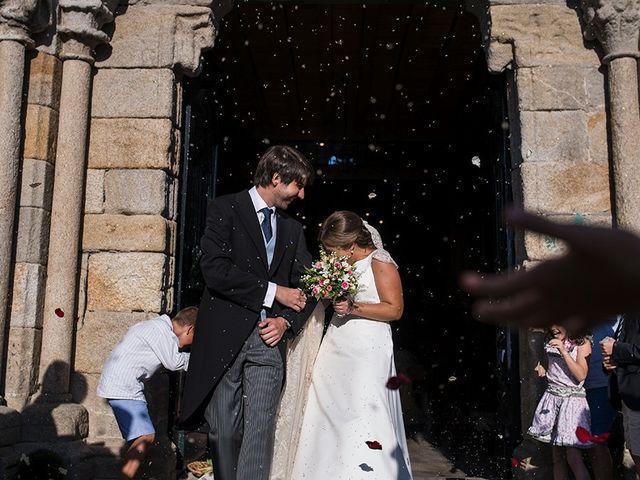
507 354
435 179
198 177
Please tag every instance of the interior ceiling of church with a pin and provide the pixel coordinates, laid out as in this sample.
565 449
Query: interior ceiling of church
350 72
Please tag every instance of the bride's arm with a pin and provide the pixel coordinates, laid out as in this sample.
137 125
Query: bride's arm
389 289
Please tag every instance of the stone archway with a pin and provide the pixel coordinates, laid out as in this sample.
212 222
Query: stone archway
559 146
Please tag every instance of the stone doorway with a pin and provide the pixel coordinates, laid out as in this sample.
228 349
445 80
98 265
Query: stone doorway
395 107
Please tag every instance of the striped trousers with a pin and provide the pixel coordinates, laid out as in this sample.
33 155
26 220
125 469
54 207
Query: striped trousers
241 413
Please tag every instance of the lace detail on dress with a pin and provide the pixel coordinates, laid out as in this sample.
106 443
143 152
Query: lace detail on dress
380 253
384 256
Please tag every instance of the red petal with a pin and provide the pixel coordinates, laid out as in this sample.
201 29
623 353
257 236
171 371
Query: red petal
584 436
59 312
515 462
603 437
396 382
373 445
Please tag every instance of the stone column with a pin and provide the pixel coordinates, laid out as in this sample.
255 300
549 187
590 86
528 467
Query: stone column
559 162
79 29
18 19
616 25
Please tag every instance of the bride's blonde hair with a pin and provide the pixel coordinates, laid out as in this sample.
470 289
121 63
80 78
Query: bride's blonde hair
344 228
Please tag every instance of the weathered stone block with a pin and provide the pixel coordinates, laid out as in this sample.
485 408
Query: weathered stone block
45 76
136 192
107 456
83 391
552 88
543 247
565 187
23 357
33 235
126 281
595 87
9 426
76 455
541 34
103 425
45 422
94 196
37 184
28 295
130 143
133 93
554 136
144 38
597 134
40 133
126 233
162 37
97 337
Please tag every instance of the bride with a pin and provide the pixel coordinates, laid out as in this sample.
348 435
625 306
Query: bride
351 425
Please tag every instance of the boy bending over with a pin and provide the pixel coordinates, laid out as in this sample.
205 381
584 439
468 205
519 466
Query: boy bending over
145 348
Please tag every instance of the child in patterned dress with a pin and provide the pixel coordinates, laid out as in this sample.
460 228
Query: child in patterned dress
563 408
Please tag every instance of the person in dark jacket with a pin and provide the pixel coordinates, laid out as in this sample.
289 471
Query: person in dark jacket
622 355
253 257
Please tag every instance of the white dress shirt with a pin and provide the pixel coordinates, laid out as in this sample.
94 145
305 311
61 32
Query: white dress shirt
142 351
259 204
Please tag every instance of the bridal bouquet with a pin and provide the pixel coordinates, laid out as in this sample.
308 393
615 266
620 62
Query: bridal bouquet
330 277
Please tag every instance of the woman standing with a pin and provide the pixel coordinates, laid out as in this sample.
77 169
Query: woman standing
352 426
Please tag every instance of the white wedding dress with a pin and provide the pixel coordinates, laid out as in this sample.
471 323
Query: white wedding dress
349 404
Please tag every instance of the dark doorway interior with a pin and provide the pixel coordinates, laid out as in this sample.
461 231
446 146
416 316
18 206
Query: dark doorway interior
394 106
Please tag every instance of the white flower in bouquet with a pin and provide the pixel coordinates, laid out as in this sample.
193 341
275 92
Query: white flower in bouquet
330 277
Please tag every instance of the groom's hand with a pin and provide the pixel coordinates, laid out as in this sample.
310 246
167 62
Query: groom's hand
291 297
272 330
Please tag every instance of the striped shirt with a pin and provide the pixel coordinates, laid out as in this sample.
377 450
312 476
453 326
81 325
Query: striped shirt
145 348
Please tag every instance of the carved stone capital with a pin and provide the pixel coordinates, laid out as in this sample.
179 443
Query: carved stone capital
615 24
20 18
80 26
166 36
195 31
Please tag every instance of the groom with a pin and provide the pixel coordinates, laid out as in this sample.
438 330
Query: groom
253 257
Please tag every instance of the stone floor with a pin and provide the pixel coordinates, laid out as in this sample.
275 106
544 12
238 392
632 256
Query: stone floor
427 463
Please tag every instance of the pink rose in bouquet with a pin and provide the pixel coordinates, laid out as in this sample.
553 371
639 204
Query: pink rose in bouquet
330 277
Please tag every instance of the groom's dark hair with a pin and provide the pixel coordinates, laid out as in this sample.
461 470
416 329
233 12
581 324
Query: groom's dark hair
290 164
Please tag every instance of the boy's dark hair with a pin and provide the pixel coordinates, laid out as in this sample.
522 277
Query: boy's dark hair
289 163
186 316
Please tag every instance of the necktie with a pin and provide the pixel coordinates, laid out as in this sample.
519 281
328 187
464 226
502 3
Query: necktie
619 328
266 223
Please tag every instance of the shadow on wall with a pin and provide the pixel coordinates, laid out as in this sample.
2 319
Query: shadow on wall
105 437
46 439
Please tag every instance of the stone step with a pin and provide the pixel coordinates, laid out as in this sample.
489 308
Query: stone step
159 464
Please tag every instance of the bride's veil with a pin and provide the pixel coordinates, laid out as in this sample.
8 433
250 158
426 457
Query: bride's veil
301 355
380 253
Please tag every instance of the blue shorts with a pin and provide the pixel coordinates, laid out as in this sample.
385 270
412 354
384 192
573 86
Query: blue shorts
602 413
132 417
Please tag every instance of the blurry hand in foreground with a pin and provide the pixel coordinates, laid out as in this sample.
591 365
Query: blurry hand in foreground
597 277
